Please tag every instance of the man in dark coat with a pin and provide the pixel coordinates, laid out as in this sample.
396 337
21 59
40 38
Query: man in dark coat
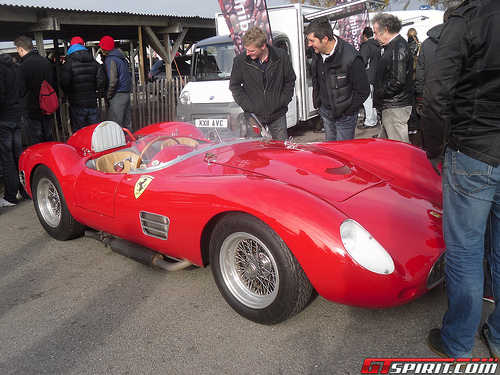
393 85
81 78
33 70
10 131
262 82
370 52
340 84
461 128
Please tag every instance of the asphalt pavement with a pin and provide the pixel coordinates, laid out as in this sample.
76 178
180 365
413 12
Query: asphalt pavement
76 307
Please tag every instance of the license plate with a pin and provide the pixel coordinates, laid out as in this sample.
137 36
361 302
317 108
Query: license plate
211 123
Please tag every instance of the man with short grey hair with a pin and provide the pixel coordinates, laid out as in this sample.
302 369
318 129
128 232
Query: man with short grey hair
393 84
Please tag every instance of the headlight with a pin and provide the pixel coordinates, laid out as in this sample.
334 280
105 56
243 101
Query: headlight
185 98
365 249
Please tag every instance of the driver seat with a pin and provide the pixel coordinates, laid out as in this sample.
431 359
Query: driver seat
106 163
107 135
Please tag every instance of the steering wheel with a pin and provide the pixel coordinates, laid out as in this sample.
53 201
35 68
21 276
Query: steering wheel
139 160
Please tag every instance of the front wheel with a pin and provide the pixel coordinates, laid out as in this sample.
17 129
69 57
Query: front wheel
51 207
255 271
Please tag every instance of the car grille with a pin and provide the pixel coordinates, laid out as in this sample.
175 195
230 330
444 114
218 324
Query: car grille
436 275
154 225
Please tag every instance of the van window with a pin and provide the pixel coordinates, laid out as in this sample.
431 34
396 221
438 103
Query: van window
214 62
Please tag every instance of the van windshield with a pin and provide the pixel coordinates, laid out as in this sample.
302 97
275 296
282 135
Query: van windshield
213 62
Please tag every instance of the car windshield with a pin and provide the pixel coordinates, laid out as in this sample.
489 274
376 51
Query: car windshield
172 142
214 62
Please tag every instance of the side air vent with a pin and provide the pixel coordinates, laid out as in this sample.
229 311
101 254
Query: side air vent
154 225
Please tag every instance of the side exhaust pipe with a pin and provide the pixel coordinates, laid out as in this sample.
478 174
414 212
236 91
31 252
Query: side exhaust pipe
138 253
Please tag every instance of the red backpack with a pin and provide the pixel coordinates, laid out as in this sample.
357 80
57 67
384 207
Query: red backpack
48 99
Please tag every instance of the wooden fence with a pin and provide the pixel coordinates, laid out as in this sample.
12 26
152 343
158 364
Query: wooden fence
151 103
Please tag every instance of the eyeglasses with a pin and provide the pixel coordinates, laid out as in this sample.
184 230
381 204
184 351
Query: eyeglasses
377 33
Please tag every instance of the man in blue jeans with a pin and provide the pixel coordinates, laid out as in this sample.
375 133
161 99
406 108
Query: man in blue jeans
10 131
461 120
339 80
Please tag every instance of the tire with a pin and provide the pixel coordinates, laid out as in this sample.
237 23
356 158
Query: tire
51 207
255 271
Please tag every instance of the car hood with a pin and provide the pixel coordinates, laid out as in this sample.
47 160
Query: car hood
319 171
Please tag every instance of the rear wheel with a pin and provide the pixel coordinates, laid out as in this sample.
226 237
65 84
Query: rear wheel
51 207
255 271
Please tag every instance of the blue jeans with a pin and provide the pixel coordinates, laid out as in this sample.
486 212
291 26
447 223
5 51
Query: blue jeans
471 191
10 151
341 129
38 131
81 117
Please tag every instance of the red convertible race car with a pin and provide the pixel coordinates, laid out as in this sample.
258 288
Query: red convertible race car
359 221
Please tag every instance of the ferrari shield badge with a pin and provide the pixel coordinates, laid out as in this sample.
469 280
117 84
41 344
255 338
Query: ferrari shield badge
141 185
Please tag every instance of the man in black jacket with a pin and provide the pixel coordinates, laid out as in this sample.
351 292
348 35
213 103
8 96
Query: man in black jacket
461 125
370 52
10 131
393 85
340 84
262 82
81 78
34 69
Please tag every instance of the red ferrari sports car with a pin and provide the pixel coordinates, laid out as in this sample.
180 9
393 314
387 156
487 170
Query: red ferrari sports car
359 221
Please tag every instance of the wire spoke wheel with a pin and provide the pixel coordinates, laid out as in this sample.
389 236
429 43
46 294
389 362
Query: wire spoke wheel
51 207
255 270
49 202
249 270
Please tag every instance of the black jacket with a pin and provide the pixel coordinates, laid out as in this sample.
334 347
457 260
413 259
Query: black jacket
461 107
80 79
345 78
427 50
270 102
393 85
9 90
34 69
370 52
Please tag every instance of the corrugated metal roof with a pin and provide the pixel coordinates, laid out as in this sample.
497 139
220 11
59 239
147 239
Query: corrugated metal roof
97 11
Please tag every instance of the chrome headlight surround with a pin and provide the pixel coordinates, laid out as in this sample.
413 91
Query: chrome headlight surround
365 249
185 98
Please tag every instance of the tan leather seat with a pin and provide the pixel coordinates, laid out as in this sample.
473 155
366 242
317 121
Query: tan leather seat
182 140
106 163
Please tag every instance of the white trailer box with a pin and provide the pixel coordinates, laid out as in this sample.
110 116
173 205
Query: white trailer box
207 100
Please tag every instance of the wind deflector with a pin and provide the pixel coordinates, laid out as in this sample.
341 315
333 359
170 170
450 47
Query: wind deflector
344 10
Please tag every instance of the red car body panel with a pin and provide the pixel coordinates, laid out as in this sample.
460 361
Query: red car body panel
302 191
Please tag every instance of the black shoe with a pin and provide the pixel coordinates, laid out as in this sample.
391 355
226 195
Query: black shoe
435 343
484 339
363 126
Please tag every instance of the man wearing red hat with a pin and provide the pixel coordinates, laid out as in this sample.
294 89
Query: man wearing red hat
81 78
119 82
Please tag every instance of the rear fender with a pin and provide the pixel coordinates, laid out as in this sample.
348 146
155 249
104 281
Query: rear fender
63 160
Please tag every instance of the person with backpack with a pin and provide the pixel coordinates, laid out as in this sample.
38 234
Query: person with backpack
81 78
33 70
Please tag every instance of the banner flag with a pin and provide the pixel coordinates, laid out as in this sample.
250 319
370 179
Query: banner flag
351 28
242 15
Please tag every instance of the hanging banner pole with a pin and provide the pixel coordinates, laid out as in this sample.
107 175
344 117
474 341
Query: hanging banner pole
351 28
242 15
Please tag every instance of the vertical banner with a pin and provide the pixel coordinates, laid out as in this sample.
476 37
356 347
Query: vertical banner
242 15
351 28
